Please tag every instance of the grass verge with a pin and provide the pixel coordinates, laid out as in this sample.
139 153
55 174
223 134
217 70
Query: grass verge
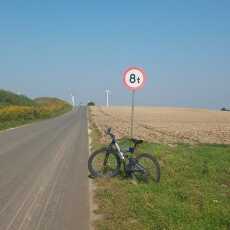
19 122
16 110
194 192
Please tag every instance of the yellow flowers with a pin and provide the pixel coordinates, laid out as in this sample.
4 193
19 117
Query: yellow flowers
43 110
16 113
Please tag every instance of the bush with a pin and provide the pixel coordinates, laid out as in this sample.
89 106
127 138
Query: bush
18 109
16 113
91 103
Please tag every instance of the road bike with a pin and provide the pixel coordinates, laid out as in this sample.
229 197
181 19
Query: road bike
107 162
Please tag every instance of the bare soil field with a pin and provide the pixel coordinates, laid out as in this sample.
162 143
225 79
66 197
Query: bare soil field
166 125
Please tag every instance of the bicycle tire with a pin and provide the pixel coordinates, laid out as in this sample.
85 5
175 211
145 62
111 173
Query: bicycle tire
156 165
94 172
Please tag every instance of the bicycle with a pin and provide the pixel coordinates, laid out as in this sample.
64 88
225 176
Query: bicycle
106 162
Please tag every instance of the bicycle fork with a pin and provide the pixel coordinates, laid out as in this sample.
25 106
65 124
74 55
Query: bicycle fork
106 158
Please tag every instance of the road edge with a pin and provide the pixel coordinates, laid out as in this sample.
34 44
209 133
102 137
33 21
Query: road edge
92 205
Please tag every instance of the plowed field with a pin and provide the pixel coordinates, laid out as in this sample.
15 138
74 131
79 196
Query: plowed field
166 125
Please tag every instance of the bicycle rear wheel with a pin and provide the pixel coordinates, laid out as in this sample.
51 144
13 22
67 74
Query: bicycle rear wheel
147 168
104 163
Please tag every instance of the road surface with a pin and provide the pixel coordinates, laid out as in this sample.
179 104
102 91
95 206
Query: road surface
43 175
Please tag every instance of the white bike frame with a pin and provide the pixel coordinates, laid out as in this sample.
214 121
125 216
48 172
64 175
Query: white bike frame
121 154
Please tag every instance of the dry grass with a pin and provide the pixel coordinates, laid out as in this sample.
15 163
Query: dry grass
166 125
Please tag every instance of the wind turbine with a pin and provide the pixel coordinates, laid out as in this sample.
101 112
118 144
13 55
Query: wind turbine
107 92
73 100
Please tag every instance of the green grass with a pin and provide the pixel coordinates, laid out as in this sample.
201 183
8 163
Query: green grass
10 98
12 124
194 192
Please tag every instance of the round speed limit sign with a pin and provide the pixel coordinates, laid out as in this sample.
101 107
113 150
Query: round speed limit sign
134 78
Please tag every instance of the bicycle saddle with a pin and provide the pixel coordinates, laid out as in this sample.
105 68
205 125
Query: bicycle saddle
136 141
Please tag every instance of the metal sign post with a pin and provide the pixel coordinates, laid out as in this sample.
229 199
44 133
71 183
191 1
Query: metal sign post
132 114
134 79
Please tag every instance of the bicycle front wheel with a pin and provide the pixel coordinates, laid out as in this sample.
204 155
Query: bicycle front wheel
104 163
148 168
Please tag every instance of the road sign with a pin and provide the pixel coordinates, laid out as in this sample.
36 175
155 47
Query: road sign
134 78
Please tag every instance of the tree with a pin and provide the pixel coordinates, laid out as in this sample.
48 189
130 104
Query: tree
91 103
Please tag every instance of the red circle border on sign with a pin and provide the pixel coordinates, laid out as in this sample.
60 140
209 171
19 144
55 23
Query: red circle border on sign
144 76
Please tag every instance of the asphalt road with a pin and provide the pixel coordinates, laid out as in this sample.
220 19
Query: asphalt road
43 175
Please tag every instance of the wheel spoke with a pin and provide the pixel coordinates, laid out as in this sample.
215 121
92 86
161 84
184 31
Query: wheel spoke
147 169
105 163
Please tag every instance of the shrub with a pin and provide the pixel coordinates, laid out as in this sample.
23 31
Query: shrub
91 103
15 113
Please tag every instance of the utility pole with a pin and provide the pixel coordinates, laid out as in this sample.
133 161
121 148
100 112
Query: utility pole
107 92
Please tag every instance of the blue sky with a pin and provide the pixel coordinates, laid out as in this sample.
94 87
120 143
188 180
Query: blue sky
49 48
